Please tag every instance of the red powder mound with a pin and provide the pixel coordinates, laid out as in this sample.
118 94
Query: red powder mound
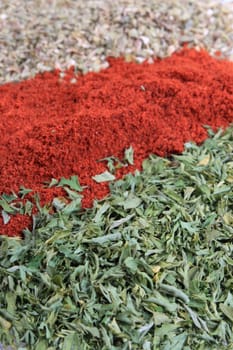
51 128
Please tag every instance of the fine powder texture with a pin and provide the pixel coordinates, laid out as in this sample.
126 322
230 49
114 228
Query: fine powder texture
53 127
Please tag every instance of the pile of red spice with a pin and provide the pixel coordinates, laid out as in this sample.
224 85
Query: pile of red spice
52 128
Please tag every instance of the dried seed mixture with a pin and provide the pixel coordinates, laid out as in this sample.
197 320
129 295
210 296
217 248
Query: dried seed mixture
38 35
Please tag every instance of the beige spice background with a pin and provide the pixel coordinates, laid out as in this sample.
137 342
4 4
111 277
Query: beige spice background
40 35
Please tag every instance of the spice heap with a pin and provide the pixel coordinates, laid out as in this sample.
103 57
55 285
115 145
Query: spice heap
55 127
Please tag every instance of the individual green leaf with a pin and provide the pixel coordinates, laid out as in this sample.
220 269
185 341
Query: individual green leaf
189 226
227 311
106 176
177 293
129 155
6 207
105 337
131 264
73 195
42 345
101 211
167 328
114 327
73 183
73 206
132 202
160 300
58 203
71 341
113 163
5 324
9 197
53 183
198 322
24 191
28 208
220 189
228 218
58 235
106 238
5 217
119 222
11 302
173 195
161 318
177 342
145 328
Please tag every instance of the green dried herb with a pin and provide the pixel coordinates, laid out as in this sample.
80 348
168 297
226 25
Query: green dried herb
149 267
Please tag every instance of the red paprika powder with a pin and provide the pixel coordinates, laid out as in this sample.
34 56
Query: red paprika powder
52 128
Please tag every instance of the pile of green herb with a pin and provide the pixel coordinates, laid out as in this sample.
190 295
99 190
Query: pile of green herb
149 267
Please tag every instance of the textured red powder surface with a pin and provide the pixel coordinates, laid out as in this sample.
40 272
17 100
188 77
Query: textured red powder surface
51 128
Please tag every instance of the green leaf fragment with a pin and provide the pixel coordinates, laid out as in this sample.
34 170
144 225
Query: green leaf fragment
73 183
166 328
129 155
58 203
177 342
24 191
101 211
119 222
6 218
131 264
114 327
9 197
106 238
73 206
177 293
227 311
160 318
159 299
53 183
42 345
104 177
197 320
6 207
132 202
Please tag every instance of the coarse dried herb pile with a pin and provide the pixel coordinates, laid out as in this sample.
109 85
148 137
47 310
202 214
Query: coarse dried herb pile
149 267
